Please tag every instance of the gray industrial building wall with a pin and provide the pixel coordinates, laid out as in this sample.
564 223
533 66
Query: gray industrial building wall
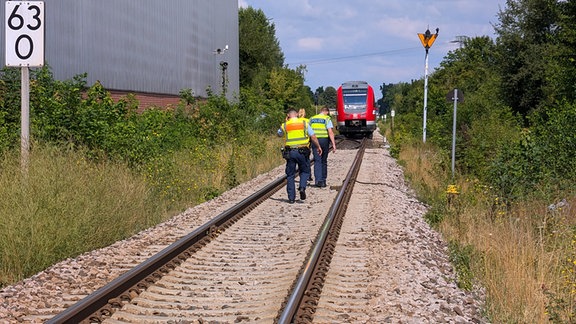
146 46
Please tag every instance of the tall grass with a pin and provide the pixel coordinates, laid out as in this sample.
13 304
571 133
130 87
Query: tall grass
523 254
66 205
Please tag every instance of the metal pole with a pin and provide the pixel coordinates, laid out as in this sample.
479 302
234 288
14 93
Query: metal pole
427 40
392 121
425 97
454 131
25 118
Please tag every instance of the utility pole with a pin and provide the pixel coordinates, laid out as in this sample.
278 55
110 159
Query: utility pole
460 40
427 40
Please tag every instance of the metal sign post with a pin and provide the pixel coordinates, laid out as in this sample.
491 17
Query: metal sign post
392 120
455 96
25 117
24 26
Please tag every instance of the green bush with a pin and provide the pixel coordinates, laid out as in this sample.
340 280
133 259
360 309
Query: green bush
517 169
555 134
70 114
543 156
97 162
262 114
10 106
4 133
54 107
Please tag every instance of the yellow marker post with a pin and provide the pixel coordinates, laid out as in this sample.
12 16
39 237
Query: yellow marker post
451 192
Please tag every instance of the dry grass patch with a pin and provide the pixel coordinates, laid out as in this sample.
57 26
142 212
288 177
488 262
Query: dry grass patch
522 253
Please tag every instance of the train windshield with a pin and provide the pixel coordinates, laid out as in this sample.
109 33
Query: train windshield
354 98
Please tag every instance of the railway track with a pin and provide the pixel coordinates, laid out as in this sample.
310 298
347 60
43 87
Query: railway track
249 258
388 265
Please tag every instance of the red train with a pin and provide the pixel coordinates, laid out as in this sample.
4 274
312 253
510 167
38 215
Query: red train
356 109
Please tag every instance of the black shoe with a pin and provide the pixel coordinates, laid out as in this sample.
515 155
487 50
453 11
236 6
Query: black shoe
322 184
291 201
303 194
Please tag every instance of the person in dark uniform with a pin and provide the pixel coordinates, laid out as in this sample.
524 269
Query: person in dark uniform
323 128
297 135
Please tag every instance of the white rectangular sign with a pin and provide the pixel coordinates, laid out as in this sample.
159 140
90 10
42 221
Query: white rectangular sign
24 27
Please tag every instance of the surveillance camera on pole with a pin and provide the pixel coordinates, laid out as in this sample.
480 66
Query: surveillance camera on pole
223 66
221 50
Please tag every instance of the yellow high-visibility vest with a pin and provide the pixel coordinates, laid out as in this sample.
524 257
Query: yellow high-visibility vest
296 132
318 124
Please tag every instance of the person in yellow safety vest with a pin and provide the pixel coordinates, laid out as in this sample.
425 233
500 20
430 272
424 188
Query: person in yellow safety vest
323 128
297 135
302 114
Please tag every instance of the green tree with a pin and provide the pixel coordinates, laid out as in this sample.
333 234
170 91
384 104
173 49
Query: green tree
267 85
328 97
287 86
317 94
385 103
565 76
526 44
259 50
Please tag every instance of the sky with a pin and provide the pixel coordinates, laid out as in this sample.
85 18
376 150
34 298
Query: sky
372 40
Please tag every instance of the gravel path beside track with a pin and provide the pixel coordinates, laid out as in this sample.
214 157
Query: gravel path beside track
389 266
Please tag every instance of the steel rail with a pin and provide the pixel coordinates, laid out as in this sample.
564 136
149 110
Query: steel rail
98 304
309 284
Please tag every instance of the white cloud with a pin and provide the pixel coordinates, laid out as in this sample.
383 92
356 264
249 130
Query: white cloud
242 4
373 40
400 27
310 43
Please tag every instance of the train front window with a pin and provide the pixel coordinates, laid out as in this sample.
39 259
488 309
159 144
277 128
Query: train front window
355 100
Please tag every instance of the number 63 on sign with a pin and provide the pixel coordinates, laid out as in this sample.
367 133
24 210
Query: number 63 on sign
24 28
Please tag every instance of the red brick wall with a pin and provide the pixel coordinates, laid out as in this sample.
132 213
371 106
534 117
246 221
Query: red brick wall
147 100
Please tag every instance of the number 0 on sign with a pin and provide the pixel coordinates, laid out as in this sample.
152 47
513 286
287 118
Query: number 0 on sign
24 27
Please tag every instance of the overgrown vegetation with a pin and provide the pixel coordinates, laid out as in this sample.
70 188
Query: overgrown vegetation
511 226
100 171
64 206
